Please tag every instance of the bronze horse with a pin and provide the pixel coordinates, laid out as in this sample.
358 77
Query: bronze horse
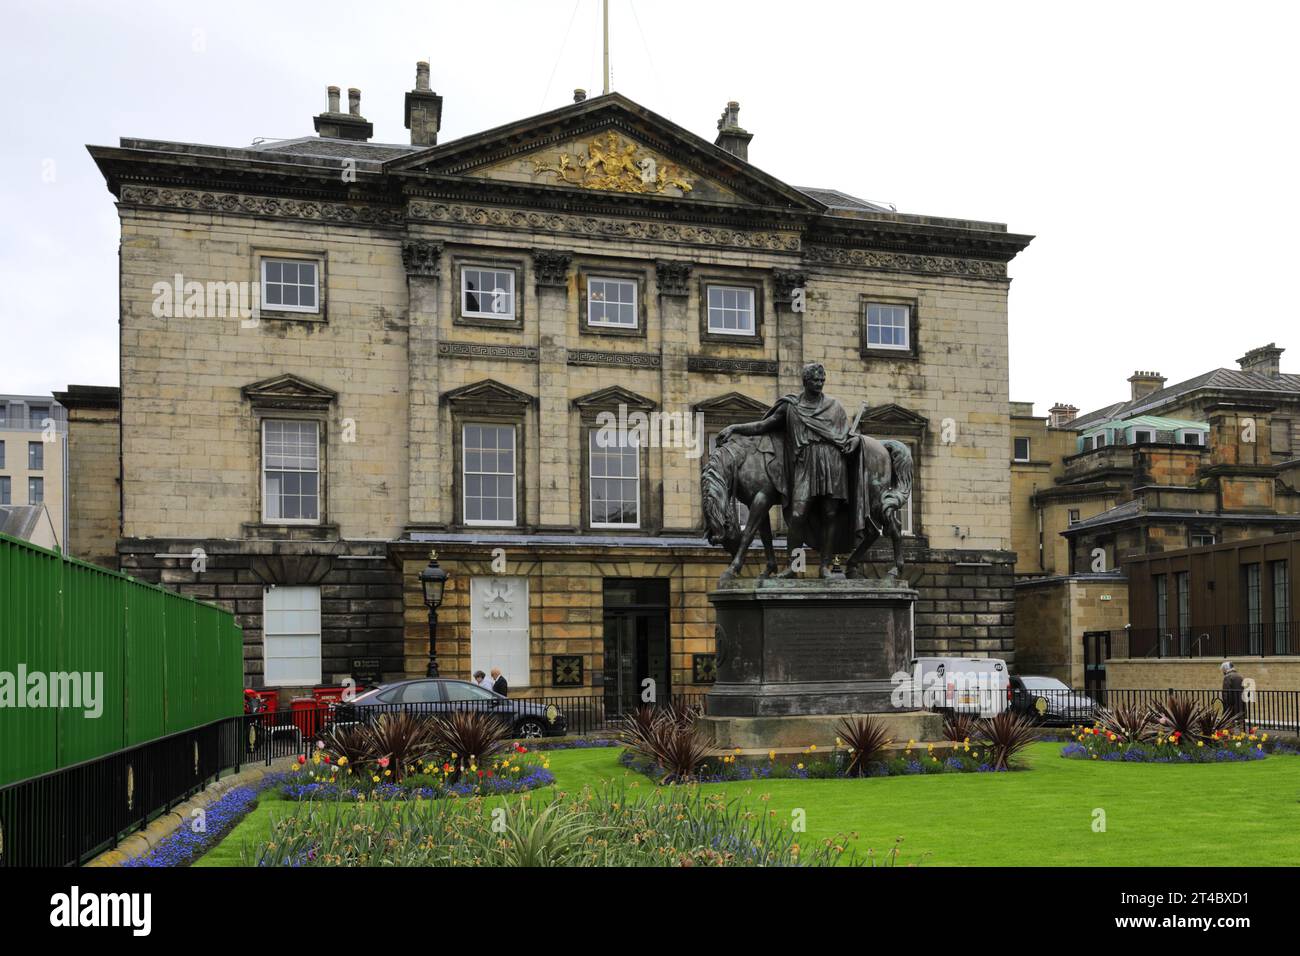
749 470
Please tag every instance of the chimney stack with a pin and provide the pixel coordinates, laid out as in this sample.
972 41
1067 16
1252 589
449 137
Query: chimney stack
1144 383
579 95
334 124
1061 415
423 109
730 135
1265 360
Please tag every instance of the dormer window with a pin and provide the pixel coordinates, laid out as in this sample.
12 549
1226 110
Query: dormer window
1143 436
1191 437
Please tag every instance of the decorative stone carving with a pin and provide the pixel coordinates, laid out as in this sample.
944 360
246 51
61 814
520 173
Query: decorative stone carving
551 268
904 262
786 282
422 258
726 366
612 359
611 163
558 223
501 353
311 209
674 277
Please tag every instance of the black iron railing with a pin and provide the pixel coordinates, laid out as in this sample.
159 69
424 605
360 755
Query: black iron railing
1214 640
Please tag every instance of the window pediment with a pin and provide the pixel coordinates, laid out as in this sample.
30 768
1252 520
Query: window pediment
487 395
289 391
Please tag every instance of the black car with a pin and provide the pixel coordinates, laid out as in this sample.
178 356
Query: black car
1050 700
440 695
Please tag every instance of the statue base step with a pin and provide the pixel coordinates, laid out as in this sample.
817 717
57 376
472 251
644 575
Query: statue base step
775 733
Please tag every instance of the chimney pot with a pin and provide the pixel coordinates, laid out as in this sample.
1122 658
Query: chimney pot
354 101
332 95
1060 415
1143 384
731 136
350 125
423 109
1265 360
579 95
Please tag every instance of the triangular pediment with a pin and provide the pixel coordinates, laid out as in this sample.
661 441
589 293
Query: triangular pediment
891 417
288 391
606 145
612 397
732 403
488 392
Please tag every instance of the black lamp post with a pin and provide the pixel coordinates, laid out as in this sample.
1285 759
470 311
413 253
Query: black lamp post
433 580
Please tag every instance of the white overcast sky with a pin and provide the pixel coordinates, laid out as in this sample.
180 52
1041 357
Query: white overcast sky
1150 146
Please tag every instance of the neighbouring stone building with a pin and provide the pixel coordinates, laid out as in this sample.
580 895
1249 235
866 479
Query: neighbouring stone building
433 332
34 469
1210 460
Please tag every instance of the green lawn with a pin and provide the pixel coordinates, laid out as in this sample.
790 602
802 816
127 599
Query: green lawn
1156 814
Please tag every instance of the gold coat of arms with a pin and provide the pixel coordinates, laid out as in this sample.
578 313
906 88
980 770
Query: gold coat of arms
612 162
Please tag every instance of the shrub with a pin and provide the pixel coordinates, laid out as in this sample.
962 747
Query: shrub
1007 734
666 741
959 727
1126 723
464 737
349 745
398 741
866 738
1177 717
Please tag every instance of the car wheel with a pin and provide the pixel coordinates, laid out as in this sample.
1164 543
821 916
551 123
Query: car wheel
530 728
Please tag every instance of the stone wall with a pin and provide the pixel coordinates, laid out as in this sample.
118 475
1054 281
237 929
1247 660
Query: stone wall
1269 673
94 485
1053 614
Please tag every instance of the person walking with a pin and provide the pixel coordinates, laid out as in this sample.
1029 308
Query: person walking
499 682
1233 698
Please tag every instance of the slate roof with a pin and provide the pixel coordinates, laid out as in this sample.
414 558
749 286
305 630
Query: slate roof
1150 421
336 148
1219 378
20 521
835 199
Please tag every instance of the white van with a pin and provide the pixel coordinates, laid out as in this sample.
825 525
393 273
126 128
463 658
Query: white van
979 686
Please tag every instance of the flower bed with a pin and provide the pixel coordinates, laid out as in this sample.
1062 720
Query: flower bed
1099 743
963 757
325 778
185 845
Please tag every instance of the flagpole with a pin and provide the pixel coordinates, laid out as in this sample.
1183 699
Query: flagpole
605 6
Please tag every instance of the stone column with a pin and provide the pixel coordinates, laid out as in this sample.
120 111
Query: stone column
680 474
556 471
423 262
789 329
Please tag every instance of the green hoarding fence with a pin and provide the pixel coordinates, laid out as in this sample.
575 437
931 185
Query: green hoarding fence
158 662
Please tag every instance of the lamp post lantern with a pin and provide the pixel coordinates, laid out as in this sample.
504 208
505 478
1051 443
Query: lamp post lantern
433 580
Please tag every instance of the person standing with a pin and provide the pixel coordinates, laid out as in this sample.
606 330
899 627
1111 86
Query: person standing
499 682
1232 698
481 679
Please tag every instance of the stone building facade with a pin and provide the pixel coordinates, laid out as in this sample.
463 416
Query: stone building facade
434 337
1211 460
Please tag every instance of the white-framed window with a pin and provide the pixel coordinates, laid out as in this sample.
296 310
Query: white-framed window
1020 449
1143 436
291 636
290 285
1100 440
290 471
488 474
35 490
1201 539
612 302
615 481
1073 516
487 293
1191 437
731 309
888 326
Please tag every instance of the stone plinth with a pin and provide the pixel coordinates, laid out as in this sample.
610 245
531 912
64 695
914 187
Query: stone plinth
819 647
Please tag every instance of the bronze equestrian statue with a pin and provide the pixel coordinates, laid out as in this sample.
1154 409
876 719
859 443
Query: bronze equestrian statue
839 491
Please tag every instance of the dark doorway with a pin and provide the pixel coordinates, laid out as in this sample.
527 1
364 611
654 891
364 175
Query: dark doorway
636 642
1096 648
